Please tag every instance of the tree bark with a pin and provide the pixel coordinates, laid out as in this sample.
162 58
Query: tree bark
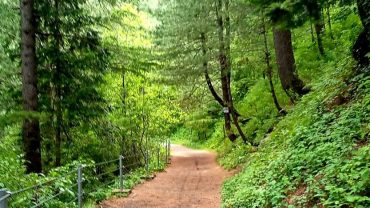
225 64
313 39
203 40
31 127
329 22
224 72
286 62
124 109
364 12
58 87
124 94
319 29
362 45
58 133
211 88
228 65
269 71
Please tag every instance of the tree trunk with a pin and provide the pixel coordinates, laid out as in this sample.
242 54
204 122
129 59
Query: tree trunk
319 28
322 19
269 71
225 65
228 35
124 109
205 68
228 65
313 39
329 22
364 12
58 86
206 74
286 62
224 72
58 136
31 127
124 94
362 45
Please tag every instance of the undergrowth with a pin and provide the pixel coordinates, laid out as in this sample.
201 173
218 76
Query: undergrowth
59 189
318 156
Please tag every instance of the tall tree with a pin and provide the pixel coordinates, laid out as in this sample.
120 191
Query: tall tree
233 112
319 29
284 19
225 70
211 88
314 9
329 21
269 69
72 65
31 129
286 62
57 88
361 48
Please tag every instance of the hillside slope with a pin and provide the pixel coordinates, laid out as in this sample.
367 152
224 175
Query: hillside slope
317 156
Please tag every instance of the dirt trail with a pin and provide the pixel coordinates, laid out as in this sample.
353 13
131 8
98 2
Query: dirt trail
192 180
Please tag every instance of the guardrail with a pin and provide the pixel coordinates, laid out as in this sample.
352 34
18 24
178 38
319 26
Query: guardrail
97 176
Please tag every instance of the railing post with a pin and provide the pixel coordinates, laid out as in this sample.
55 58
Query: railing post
158 155
4 194
121 172
166 148
147 162
79 184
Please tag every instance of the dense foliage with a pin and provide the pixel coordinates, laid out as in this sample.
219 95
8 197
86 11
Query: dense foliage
312 151
280 88
98 96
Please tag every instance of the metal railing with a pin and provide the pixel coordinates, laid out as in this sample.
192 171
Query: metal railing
87 179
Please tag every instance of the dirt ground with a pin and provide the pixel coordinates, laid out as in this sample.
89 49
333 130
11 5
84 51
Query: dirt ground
192 180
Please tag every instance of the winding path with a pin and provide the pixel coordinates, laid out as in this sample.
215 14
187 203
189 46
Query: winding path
192 180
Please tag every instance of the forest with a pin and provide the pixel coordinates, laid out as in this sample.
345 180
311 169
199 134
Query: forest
280 89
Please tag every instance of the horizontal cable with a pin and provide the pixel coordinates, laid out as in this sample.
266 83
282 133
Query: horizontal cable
11 194
103 163
73 200
103 184
125 166
5 197
54 196
106 173
107 183
131 156
41 184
